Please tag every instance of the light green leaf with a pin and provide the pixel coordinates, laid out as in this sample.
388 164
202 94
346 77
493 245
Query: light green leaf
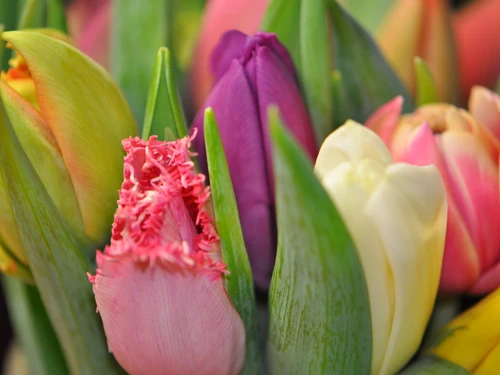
319 308
431 365
137 31
32 14
239 283
283 18
56 260
427 91
369 13
33 329
367 79
316 64
163 108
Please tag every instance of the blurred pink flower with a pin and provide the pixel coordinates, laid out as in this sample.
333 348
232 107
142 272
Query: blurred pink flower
159 285
88 24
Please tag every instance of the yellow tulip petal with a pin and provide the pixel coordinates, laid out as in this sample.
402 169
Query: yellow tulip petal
491 364
408 210
89 118
351 142
473 335
350 187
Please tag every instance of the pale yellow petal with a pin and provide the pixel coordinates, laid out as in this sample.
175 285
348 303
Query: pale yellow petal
409 212
351 142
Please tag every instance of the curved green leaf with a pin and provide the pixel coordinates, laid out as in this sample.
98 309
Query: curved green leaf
239 283
427 91
56 260
319 307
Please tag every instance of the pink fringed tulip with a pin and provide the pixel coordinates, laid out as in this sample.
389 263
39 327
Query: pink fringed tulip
221 16
252 73
88 24
463 147
421 28
159 286
477 34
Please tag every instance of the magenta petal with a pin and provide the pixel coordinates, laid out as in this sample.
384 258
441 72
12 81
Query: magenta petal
162 320
384 120
274 85
236 113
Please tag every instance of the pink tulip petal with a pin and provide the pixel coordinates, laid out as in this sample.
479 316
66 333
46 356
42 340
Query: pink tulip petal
488 281
484 106
235 108
460 263
384 120
167 320
473 177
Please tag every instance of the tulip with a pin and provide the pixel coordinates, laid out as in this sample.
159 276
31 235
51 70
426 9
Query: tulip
421 28
466 153
396 215
252 73
472 340
70 118
477 35
88 24
221 16
159 285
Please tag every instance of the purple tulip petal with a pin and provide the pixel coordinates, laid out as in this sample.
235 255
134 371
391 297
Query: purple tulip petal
275 85
235 109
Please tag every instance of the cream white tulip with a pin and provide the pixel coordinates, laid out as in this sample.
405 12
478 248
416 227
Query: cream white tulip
396 215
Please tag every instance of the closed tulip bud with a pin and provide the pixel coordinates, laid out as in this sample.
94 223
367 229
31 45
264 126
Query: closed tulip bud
472 340
252 73
159 286
396 215
421 28
466 154
221 16
70 118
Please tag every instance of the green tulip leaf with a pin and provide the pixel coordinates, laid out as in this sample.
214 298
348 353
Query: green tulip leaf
427 91
88 117
316 64
32 14
239 283
369 13
163 108
33 329
56 260
319 307
137 31
8 18
432 365
367 79
56 17
282 18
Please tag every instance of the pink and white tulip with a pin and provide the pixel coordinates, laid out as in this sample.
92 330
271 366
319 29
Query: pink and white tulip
464 148
159 285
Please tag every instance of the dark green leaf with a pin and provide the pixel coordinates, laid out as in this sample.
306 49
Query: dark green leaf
33 329
56 17
239 283
367 79
319 307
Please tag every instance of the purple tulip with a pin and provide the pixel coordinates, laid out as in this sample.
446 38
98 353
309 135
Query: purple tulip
251 73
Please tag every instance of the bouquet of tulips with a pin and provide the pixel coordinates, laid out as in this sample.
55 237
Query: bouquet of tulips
252 187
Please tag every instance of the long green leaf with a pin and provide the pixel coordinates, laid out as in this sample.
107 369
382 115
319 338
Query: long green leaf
137 32
319 308
33 329
8 21
56 17
239 283
432 365
56 260
283 17
316 64
427 91
369 13
367 78
32 14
